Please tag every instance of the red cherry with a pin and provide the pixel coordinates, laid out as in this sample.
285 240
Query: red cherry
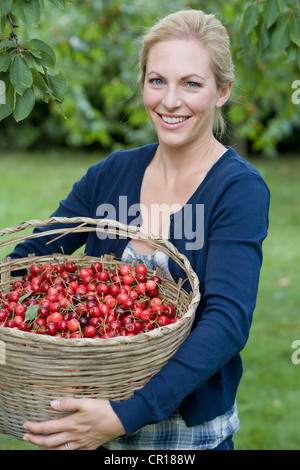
18 319
11 306
110 301
43 311
156 279
102 289
95 312
10 324
126 320
23 326
140 288
4 314
122 297
141 277
81 309
97 267
140 268
114 290
95 321
169 311
73 325
150 285
70 267
125 269
34 269
133 295
155 301
56 317
89 331
85 272
116 325
51 328
163 320
62 326
13 296
147 315
20 310
130 328
128 304
102 276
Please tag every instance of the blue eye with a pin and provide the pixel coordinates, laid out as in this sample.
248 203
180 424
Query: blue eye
193 85
156 81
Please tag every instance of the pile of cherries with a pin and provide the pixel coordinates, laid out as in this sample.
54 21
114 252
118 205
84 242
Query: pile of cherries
72 301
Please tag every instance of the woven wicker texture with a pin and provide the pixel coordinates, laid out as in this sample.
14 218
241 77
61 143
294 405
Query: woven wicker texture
34 369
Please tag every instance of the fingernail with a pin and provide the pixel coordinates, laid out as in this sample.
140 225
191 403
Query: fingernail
55 404
25 438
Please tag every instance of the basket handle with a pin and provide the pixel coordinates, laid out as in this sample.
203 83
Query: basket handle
86 224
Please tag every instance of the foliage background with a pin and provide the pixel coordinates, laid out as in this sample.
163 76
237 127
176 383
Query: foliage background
96 43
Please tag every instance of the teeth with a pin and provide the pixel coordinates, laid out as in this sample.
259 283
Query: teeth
173 120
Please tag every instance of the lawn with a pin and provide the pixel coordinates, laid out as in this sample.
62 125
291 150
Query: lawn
31 186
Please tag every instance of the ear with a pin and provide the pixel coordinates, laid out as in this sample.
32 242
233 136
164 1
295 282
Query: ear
224 95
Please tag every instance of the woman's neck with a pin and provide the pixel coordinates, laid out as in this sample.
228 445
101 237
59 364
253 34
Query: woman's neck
178 162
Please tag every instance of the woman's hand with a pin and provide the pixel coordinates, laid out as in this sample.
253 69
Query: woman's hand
92 424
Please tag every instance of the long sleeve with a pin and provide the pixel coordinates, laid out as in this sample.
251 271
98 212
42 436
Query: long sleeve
237 229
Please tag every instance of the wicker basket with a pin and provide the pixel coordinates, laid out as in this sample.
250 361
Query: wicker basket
34 369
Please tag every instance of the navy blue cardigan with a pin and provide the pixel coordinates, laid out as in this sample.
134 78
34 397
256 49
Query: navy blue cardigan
203 376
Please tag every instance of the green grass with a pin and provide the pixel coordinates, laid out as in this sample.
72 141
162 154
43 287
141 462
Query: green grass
268 398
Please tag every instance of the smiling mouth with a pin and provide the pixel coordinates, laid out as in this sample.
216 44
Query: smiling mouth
174 120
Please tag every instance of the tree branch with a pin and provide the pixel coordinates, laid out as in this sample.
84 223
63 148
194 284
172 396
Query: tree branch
13 34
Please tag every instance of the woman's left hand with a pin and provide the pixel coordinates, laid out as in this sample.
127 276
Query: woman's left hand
92 423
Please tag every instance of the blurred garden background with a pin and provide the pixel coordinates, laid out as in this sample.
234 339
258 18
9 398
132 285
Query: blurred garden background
91 105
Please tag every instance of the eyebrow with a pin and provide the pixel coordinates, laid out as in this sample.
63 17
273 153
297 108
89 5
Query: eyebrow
182 78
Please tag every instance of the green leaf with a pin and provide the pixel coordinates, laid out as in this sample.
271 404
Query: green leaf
295 31
6 43
7 108
280 38
264 40
58 3
291 55
39 80
31 312
283 5
271 12
48 54
58 85
36 54
28 11
24 105
21 299
2 24
60 107
20 75
5 61
251 18
5 7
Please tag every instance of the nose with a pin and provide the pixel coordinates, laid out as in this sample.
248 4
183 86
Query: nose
171 99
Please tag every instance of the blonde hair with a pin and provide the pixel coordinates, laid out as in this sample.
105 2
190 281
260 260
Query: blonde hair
204 28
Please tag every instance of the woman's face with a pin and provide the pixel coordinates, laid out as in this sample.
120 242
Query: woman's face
180 92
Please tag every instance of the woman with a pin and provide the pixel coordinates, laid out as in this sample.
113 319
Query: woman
216 213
